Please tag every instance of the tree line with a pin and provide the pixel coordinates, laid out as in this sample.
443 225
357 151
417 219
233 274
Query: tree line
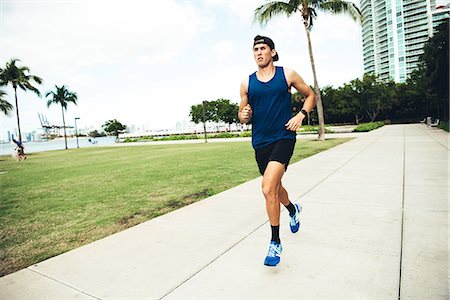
20 77
425 92
368 99
220 110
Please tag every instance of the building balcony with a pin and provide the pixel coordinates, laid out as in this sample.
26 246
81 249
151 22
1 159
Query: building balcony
365 5
368 55
413 13
411 2
383 48
410 69
412 25
418 41
367 48
379 4
370 64
415 47
420 34
412 59
381 22
383 59
413 53
367 33
415 18
416 29
381 34
381 29
369 69
409 10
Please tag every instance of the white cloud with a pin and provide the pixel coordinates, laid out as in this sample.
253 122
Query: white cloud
147 62
223 49
241 10
85 33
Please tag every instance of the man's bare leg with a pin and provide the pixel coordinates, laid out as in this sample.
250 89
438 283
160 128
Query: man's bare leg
283 195
271 187
271 183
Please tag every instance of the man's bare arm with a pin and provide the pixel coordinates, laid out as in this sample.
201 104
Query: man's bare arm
295 80
245 111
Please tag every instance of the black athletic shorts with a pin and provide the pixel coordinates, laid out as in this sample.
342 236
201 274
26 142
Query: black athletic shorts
280 151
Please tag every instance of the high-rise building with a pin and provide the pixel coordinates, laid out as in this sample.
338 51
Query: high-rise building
440 15
393 33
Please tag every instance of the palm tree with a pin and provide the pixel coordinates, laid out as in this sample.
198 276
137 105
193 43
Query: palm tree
62 96
5 106
18 77
308 12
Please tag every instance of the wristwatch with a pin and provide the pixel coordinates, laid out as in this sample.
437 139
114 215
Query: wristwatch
304 112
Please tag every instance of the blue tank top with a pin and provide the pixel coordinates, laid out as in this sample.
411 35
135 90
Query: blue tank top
272 109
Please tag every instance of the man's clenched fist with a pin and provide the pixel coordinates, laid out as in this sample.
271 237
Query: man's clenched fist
246 113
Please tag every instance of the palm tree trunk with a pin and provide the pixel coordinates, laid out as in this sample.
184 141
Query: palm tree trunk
64 126
17 114
316 90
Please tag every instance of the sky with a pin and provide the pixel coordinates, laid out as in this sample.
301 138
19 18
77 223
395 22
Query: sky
145 63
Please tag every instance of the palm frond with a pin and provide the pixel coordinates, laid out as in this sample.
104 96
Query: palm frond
32 88
19 76
49 93
309 15
5 106
36 79
295 3
24 69
61 96
265 12
342 7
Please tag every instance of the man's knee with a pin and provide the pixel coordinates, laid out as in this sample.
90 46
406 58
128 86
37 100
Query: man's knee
270 190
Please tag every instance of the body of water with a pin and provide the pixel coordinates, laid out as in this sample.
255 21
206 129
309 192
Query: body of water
56 144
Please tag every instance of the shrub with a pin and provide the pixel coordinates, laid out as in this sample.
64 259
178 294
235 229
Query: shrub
365 127
224 135
443 125
176 138
313 129
129 140
246 134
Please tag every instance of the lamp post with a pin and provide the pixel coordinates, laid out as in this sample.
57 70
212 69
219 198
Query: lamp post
76 130
204 121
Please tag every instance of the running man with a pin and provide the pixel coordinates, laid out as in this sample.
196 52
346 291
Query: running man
266 100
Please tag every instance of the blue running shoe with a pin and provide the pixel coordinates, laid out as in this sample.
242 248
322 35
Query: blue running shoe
295 220
273 257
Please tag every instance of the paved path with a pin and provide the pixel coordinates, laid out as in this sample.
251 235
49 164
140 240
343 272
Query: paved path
374 226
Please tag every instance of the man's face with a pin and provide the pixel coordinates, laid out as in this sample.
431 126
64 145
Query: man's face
263 55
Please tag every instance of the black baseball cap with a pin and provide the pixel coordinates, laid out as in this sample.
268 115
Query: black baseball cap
259 39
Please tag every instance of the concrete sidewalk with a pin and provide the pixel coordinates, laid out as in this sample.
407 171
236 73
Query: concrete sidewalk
374 226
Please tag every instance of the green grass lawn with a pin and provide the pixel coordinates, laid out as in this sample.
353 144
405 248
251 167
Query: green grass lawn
58 200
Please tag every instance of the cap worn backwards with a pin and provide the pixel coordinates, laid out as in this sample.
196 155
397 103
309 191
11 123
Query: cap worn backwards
259 39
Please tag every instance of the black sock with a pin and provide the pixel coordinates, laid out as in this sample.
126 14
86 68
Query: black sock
276 234
291 208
